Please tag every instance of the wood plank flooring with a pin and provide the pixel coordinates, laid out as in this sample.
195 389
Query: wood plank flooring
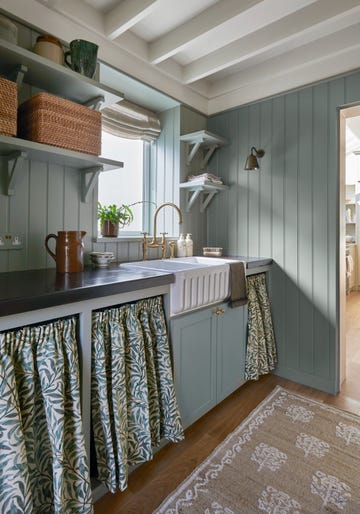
153 481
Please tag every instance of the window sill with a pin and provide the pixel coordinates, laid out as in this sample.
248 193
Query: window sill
128 239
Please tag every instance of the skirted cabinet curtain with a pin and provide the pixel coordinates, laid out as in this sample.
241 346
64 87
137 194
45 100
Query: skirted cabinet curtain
43 462
260 348
133 396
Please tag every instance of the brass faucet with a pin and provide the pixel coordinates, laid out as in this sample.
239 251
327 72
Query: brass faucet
154 243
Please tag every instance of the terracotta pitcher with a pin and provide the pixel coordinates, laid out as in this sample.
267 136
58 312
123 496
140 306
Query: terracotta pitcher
69 252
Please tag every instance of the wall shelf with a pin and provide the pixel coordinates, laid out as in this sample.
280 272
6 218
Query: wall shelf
15 150
202 139
52 77
207 191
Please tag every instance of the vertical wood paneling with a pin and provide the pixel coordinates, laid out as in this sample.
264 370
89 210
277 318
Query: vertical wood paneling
243 141
253 183
291 213
320 201
278 222
291 229
18 218
38 202
55 205
265 192
306 308
193 221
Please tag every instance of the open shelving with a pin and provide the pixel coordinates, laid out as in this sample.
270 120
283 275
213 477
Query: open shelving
54 78
202 139
15 150
207 191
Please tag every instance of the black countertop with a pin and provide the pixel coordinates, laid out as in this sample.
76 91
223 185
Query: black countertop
22 291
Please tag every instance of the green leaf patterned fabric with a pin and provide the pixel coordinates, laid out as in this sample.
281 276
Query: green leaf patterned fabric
133 396
260 348
42 452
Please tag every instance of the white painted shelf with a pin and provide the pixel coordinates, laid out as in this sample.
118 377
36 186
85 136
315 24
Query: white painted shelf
52 77
202 139
207 191
15 150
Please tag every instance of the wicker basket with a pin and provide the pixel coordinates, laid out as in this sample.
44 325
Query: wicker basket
8 107
54 121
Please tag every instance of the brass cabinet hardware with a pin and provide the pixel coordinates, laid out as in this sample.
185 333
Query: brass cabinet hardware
218 310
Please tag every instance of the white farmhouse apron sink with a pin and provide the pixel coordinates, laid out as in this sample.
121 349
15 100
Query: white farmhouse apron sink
199 281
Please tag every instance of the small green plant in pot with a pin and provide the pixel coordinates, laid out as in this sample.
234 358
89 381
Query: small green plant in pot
112 217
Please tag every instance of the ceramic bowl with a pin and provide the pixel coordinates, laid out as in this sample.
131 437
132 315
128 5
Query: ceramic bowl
101 259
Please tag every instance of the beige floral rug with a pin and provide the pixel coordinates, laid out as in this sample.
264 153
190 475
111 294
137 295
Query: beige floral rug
291 455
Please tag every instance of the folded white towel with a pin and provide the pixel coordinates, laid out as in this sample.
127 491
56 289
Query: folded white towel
205 177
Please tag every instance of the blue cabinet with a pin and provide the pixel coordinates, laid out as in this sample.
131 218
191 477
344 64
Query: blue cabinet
209 357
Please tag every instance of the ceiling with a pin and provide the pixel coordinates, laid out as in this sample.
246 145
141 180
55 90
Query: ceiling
216 54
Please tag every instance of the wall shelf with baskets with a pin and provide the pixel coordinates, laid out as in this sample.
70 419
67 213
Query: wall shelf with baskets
18 64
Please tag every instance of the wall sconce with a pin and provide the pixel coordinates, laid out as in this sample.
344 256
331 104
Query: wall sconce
251 161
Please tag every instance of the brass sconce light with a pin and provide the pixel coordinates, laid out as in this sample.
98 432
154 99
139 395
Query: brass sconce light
251 161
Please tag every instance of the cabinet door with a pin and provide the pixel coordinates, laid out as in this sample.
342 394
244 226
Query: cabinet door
231 341
193 339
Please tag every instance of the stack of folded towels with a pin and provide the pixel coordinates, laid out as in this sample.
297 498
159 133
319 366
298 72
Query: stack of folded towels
205 178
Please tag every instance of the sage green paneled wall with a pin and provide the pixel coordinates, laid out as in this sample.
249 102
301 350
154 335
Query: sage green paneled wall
288 211
194 221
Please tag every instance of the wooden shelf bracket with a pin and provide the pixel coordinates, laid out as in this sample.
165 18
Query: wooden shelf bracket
14 161
95 103
88 180
17 74
192 196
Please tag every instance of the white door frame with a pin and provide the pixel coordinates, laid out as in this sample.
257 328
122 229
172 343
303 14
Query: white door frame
344 113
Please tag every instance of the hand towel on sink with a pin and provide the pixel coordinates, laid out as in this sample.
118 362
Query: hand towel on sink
238 295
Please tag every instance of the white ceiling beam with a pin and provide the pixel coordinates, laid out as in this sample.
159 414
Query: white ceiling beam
81 12
311 22
185 34
309 74
318 53
125 15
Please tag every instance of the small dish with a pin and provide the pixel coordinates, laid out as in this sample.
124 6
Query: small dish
211 251
101 259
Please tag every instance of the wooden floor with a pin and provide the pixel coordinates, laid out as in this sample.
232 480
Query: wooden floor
153 481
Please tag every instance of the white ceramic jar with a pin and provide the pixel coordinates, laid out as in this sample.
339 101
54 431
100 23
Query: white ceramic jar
49 47
8 30
189 246
181 246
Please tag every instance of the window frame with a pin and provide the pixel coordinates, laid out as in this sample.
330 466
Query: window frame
146 206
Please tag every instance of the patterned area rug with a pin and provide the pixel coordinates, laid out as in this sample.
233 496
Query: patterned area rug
291 455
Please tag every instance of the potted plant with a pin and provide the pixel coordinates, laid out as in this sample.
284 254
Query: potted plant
113 216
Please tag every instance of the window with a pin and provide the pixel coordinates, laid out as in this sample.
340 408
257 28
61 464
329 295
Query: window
125 185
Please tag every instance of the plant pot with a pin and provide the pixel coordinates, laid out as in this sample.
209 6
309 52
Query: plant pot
109 229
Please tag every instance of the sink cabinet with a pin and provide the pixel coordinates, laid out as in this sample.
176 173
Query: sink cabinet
209 357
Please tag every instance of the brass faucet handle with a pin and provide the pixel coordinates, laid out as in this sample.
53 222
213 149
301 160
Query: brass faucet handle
163 234
144 234
172 246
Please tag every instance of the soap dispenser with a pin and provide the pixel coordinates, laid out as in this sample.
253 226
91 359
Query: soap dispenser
189 246
181 246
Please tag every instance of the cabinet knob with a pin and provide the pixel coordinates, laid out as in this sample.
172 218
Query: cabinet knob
218 310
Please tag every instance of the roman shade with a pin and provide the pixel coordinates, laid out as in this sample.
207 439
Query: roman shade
128 120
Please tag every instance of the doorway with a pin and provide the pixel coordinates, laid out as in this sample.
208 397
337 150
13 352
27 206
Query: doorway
349 250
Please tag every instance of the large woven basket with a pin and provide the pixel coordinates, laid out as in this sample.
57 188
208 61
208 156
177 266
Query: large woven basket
54 121
8 107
